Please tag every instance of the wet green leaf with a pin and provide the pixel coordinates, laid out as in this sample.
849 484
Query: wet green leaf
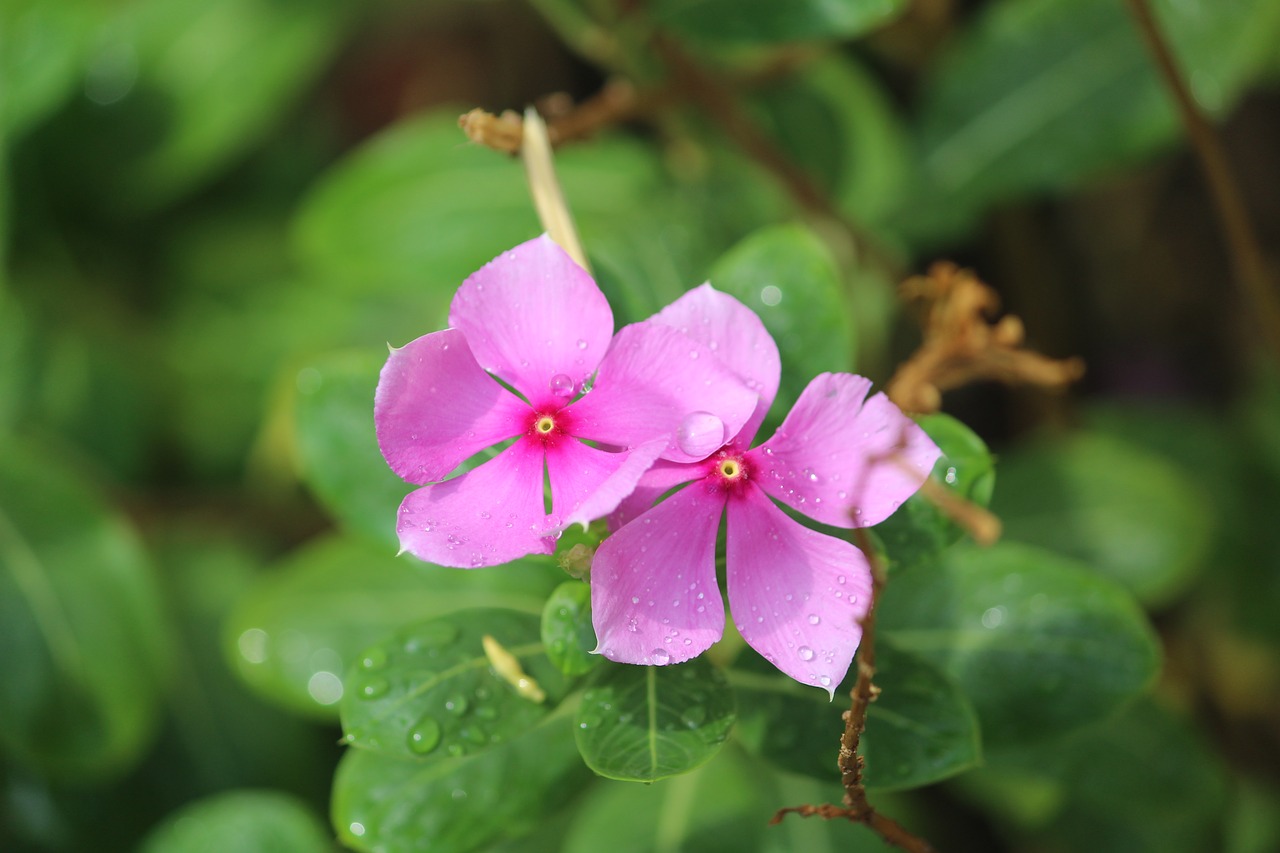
1127 513
567 631
787 276
918 531
295 634
1039 643
920 730
82 629
454 805
243 821
433 688
643 723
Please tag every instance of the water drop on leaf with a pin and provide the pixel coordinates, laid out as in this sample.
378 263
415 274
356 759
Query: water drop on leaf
424 737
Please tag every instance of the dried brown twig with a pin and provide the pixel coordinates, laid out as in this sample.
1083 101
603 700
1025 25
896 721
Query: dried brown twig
961 346
856 808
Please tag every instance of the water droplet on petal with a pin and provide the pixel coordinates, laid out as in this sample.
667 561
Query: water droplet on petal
814 619
825 681
659 657
561 385
700 433
582 344
424 737
805 653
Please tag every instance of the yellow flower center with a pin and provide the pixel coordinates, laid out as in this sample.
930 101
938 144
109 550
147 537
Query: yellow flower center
544 424
730 469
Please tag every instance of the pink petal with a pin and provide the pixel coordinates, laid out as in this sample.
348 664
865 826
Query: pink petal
434 407
657 481
797 595
654 598
534 318
587 483
843 460
488 516
738 338
652 379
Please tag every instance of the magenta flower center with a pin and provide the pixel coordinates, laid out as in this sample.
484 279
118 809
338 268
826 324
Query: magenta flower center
548 427
730 472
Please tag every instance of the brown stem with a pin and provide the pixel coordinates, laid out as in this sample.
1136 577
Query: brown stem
1247 259
856 807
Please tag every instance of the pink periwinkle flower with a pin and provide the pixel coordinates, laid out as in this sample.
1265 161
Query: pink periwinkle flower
797 595
538 323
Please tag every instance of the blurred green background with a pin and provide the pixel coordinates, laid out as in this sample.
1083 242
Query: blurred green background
214 215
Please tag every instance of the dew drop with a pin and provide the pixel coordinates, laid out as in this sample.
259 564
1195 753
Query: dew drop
374 659
824 680
561 385
660 657
805 653
693 717
424 737
814 619
582 344
457 704
700 433
375 688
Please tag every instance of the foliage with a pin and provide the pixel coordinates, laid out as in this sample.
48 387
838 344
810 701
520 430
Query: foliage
214 218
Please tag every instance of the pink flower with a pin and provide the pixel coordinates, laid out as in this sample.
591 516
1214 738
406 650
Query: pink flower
797 595
537 322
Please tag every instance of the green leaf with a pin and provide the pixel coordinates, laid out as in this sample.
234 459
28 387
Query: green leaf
42 48
567 631
643 723
225 71
1039 94
454 805
243 821
918 531
338 449
364 224
1127 513
82 629
837 123
1144 781
295 634
724 805
431 689
787 276
1039 644
755 22
920 730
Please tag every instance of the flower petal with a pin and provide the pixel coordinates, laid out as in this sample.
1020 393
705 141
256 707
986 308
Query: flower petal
434 407
490 515
657 481
842 459
532 315
738 338
654 598
797 595
652 379
587 483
